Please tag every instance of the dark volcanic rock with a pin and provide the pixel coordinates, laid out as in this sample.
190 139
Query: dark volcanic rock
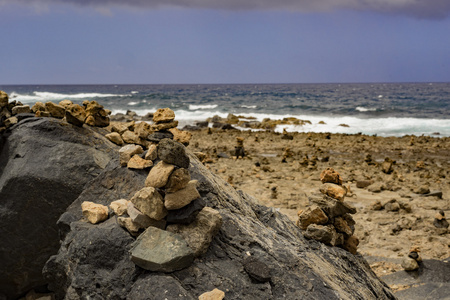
299 269
174 153
159 135
187 214
44 164
256 269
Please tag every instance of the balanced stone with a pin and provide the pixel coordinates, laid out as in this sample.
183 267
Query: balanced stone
159 175
173 152
351 244
94 213
156 137
311 215
409 264
181 136
75 115
150 202
39 106
321 233
115 138
120 127
137 162
178 180
126 152
143 130
164 126
199 233
57 111
161 251
119 206
142 220
182 197
331 176
152 152
334 191
187 214
129 225
332 207
341 226
163 115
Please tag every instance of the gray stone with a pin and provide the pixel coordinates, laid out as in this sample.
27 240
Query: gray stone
143 221
154 287
332 207
173 153
256 269
321 233
161 251
187 214
156 137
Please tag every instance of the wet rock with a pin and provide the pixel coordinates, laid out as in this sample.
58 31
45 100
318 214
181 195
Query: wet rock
256 269
150 202
163 115
182 197
75 114
201 231
94 213
161 251
159 175
173 153
137 162
119 206
178 180
329 175
126 152
57 111
334 191
187 214
115 138
311 215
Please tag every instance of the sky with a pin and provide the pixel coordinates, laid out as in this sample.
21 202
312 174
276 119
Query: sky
223 41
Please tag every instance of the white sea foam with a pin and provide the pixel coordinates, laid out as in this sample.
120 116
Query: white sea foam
133 103
134 92
364 109
208 106
48 96
248 106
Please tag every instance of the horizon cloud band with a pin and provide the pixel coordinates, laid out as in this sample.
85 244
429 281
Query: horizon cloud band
421 9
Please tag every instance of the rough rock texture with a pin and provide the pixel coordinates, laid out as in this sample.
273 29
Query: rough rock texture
159 175
300 269
44 164
173 153
150 202
94 213
182 197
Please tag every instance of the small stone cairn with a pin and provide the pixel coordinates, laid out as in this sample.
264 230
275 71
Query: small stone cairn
168 215
412 261
328 218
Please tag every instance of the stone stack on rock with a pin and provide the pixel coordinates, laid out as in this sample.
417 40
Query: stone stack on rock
411 262
328 218
168 215
10 112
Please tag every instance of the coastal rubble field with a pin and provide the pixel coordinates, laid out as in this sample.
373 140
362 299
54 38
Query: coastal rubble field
403 182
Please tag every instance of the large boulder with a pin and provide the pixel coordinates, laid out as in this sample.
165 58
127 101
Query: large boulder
294 267
44 165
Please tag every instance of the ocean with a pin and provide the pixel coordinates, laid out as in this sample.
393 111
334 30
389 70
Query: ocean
384 109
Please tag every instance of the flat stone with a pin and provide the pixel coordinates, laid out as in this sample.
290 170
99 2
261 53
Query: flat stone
57 111
152 152
130 137
159 135
75 114
43 114
181 136
201 231
334 191
119 206
215 294
21 109
126 152
150 202
137 162
256 269
187 214
361 184
182 197
143 130
163 115
164 126
115 138
141 220
161 251
321 233
121 127
329 175
332 207
311 215
173 153
433 194
159 175
177 180
94 213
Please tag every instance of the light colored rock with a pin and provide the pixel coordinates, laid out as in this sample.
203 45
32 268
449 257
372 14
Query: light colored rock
115 138
143 130
130 137
75 115
152 152
311 215
159 175
4 98
164 126
329 175
97 120
57 111
119 206
215 294
334 191
332 207
137 162
409 264
181 136
43 114
94 213
65 103
126 152
182 197
150 202
163 115
161 251
201 231
141 220
21 109
11 121
178 180
38 106
129 225
121 127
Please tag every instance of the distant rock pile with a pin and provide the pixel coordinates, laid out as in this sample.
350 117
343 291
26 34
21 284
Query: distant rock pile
168 215
328 219
9 111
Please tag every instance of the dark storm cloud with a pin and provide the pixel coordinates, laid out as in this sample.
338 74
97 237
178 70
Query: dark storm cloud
425 9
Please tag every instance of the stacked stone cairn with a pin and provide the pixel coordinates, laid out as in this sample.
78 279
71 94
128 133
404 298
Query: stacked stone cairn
328 218
412 261
168 216
11 112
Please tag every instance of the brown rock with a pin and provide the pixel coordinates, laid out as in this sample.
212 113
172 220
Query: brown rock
421 190
351 244
387 166
330 176
115 138
215 294
152 152
361 184
119 206
324 234
182 197
178 180
4 98
199 233
341 226
94 213
137 162
21 109
38 106
97 121
75 114
334 191
376 205
164 126
11 121
43 114
141 220
57 111
126 152
409 264
159 175
130 137
129 225
181 136
65 103
163 115
121 127
143 130
311 215
150 202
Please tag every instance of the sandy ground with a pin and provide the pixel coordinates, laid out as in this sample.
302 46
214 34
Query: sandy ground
417 163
